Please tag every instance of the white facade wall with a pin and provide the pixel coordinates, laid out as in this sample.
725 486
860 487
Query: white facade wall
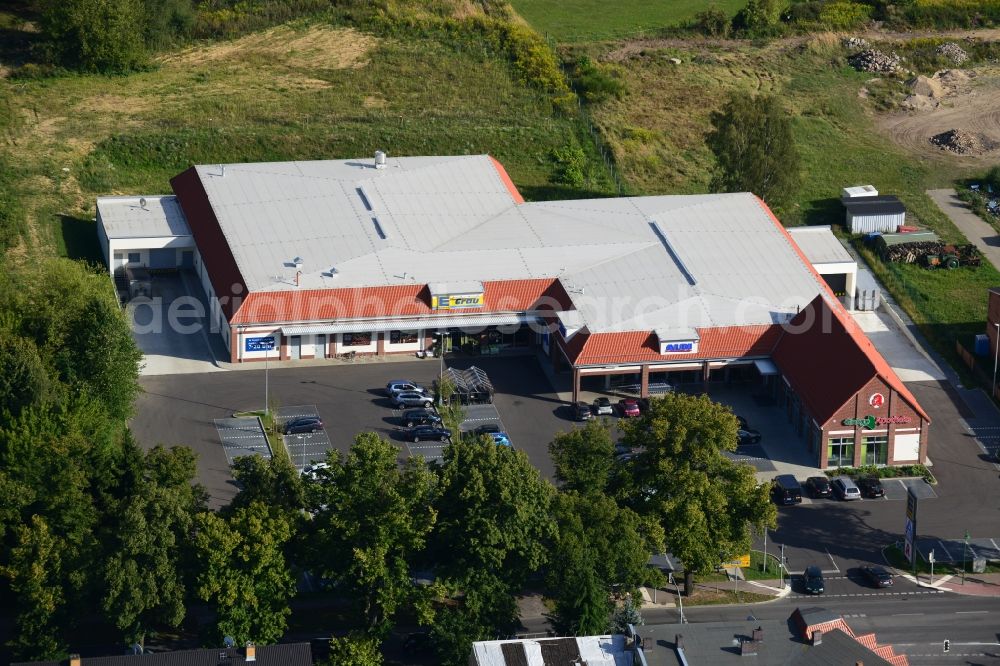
864 224
371 348
102 239
308 347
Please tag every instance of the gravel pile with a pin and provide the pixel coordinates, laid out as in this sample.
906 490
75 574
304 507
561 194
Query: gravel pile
874 61
855 43
953 52
963 143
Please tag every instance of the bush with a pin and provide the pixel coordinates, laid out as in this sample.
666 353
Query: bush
758 17
712 22
597 82
845 15
570 163
95 35
886 472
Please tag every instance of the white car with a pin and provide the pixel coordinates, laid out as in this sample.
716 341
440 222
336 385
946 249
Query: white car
603 407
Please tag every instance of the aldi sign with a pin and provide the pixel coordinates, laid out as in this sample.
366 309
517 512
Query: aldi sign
259 344
679 347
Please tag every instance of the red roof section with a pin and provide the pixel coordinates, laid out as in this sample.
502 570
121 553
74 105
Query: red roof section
643 347
223 272
404 300
815 385
502 172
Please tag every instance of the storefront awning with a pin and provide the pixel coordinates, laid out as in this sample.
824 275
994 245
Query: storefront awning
766 367
468 322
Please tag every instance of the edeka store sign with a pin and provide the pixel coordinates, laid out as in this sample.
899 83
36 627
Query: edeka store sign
871 422
457 302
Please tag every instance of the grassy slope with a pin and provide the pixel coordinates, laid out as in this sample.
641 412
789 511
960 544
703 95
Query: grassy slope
592 20
657 133
261 99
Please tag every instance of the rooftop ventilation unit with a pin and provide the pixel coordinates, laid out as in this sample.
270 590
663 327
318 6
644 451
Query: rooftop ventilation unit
364 198
379 159
297 261
332 272
673 253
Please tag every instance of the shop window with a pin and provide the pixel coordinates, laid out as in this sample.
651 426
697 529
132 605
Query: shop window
840 452
357 339
134 257
876 450
402 337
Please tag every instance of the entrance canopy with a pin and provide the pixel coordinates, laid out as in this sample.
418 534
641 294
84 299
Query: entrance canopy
766 367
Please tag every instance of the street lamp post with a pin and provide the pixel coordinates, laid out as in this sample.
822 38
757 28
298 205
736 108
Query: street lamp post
965 555
996 355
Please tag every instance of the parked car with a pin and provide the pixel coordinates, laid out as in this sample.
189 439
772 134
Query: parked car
581 411
602 407
488 429
743 422
303 424
845 489
501 439
812 580
426 432
877 576
312 471
422 416
870 486
787 490
621 449
397 386
747 437
629 407
412 399
819 486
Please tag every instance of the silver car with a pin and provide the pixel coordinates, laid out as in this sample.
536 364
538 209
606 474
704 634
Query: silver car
397 386
412 399
845 488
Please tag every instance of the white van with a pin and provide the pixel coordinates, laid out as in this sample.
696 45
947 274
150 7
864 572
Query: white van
845 488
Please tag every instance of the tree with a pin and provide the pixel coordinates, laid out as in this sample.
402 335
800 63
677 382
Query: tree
242 572
36 579
582 602
706 503
625 615
355 650
152 525
24 381
755 150
583 457
492 531
273 481
95 35
375 520
758 16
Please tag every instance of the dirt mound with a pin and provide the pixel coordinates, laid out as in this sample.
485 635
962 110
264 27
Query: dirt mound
964 143
925 86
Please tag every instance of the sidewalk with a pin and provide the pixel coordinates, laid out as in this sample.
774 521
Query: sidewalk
976 585
978 231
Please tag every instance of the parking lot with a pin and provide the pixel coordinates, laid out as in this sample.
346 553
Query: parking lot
350 398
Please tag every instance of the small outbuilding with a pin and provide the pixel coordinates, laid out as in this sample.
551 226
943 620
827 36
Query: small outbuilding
874 214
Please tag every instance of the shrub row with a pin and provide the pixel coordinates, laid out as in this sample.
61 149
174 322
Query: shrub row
885 472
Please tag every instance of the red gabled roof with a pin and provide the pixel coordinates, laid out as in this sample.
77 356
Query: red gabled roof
217 257
643 347
405 300
824 374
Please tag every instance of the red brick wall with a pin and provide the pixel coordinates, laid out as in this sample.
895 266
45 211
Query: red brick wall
993 318
859 407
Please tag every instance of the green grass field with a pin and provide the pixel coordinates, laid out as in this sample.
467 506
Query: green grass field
594 20
311 91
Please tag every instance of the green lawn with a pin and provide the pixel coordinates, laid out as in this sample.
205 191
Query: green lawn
305 92
594 20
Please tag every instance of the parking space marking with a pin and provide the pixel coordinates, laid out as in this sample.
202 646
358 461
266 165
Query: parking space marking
835 567
242 437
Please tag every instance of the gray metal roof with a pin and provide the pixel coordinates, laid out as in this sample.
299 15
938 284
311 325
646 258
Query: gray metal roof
882 204
126 217
820 245
670 263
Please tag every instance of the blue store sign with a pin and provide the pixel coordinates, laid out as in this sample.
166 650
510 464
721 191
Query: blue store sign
259 344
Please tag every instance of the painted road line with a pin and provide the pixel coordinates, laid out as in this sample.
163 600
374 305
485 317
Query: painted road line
981 612
836 568
905 614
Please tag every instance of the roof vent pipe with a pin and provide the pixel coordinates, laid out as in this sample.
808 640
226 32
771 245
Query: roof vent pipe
379 159
298 278
222 168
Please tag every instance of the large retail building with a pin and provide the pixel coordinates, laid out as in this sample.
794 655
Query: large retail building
389 256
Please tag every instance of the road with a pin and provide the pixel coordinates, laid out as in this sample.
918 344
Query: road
979 233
